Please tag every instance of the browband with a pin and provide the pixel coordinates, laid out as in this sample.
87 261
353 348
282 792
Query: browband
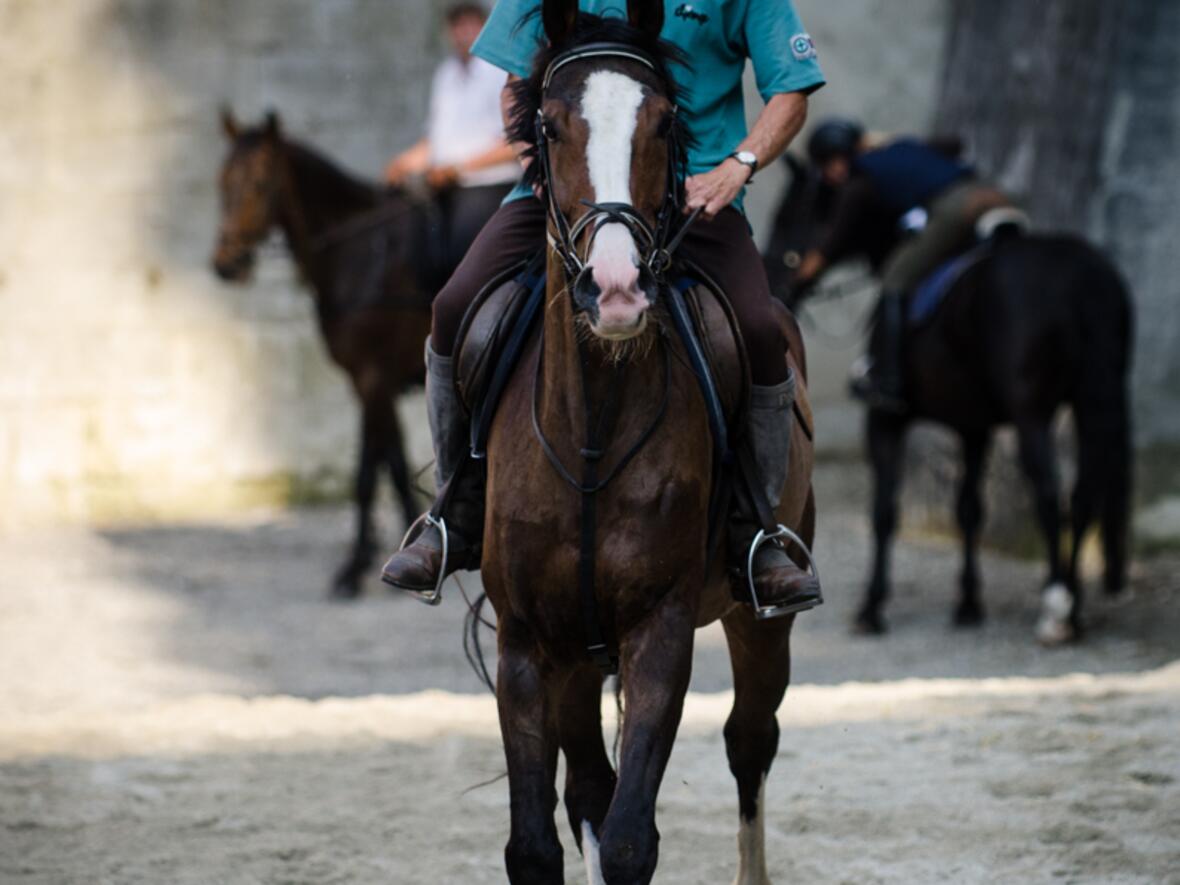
598 50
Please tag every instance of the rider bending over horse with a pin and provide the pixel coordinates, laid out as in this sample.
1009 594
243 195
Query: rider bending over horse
722 158
464 156
920 190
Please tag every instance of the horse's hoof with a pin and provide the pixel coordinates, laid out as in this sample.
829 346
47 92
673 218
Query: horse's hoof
968 616
345 588
869 624
1055 626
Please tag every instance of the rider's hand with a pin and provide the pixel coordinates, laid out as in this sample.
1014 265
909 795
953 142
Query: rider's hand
716 189
395 173
441 177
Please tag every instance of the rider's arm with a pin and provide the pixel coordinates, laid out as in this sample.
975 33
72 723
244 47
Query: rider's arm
786 72
494 156
779 123
856 201
412 161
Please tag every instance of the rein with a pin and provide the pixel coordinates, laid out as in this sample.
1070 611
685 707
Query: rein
658 244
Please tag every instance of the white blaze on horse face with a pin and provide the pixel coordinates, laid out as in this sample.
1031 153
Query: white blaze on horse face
610 106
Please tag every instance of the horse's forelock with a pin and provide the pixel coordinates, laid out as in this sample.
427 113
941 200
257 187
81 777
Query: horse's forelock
527 93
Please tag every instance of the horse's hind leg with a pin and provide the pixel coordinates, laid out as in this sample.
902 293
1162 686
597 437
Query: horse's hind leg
399 470
347 582
761 656
969 511
1059 602
656 663
590 779
533 854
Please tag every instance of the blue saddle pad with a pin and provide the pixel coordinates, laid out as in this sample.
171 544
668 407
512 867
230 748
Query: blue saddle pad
932 291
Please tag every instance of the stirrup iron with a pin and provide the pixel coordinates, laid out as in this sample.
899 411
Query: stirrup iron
433 596
766 612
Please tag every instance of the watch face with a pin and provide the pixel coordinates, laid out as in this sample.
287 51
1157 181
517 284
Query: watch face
747 157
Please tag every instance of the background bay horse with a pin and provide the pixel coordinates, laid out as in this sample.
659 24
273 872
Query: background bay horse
1041 322
372 304
655 583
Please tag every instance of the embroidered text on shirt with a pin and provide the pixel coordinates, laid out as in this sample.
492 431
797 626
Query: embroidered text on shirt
686 11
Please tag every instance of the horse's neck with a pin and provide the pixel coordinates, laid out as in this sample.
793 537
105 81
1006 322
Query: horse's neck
316 197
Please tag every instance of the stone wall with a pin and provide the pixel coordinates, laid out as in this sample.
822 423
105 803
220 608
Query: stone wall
133 384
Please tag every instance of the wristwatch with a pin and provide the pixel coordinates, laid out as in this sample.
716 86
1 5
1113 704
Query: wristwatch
747 158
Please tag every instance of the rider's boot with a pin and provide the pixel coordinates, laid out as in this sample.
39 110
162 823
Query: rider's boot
883 385
781 585
418 566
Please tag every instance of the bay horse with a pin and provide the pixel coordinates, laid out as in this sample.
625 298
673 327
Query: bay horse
601 99
1040 322
371 303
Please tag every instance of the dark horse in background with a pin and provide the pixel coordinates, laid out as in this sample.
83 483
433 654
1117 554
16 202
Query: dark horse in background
355 244
1040 322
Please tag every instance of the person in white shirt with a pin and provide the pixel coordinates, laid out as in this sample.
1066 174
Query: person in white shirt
464 156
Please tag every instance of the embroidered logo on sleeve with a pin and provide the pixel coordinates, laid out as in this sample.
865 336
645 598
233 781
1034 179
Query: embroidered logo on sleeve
803 47
688 13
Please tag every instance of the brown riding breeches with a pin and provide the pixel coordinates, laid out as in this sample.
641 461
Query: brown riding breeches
950 226
723 248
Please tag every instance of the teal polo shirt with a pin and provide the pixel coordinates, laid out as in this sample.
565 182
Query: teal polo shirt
717 36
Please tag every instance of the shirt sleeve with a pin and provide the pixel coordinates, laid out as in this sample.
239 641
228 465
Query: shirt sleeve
511 36
434 109
782 52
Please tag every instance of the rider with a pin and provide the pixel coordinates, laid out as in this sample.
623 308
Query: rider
463 156
722 159
925 192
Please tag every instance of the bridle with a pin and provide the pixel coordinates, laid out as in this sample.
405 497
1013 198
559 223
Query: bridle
657 243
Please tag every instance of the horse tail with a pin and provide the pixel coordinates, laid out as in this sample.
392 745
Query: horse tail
1103 417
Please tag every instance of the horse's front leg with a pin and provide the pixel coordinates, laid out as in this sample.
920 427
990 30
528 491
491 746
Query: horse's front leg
399 469
523 691
590 779
886 446
760 652
656 661
347 582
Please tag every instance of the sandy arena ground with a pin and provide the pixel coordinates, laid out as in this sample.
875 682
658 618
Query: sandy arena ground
180 705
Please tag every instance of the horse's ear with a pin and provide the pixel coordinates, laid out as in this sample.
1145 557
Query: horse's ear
272 127
646 15
229 125
559 18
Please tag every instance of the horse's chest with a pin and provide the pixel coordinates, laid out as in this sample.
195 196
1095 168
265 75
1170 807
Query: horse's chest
648 525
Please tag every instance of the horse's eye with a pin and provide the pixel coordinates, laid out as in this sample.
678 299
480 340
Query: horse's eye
664 130
549 130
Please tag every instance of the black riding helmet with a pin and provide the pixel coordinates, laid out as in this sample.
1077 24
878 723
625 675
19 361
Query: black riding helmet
835 137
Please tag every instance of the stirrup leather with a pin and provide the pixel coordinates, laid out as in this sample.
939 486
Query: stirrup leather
766 612
433 596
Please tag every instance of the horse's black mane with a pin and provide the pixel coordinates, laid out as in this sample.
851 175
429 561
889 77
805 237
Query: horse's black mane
320 171
526 93
326 181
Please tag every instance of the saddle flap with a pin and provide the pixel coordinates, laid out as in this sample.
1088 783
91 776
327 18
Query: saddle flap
486 327
721 340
